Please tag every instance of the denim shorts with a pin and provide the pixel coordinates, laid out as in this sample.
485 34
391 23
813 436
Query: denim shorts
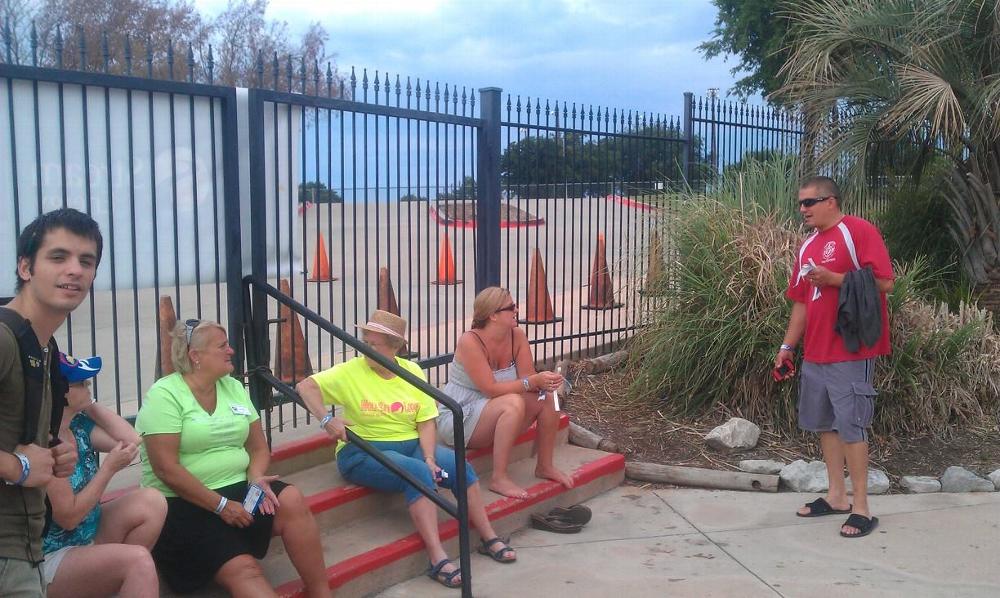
837 397
359 468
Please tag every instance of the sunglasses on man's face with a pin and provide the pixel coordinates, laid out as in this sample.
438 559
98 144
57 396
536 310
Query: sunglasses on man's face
811 201
511 307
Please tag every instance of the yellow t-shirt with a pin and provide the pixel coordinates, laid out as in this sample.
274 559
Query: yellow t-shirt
378 409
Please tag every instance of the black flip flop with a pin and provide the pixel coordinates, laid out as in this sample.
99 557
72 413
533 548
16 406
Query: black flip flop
819 508
556 525
863 524
578 514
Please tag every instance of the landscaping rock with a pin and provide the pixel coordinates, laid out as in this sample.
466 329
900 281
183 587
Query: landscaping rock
878 482
805 477
920 484
737 434
960 479
995 478
766 466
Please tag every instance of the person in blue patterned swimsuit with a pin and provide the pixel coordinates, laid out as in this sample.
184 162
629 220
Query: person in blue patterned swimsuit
103 548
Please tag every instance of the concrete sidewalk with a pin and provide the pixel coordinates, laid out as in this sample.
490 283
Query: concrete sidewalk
683 542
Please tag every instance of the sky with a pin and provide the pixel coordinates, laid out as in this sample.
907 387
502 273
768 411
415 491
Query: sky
632 54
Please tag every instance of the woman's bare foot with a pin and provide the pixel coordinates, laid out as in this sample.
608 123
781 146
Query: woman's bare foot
506 486
551 473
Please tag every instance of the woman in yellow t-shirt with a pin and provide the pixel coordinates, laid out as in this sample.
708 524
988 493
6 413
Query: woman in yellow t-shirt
202 446
397 419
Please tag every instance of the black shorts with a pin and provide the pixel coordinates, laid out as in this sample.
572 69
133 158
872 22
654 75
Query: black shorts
196 543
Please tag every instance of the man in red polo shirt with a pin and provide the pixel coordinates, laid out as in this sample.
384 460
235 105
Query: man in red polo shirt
836 396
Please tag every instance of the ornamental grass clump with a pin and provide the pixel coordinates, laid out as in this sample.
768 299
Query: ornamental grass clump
712 342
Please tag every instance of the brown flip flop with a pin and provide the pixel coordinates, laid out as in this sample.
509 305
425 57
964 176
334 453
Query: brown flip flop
578 514
556 525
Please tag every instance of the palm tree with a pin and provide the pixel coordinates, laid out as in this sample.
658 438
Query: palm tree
922 72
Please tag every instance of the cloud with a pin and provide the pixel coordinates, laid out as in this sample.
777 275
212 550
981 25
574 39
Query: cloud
637 54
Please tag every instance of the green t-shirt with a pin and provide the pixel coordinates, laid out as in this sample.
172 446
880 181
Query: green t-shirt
378 409
211 445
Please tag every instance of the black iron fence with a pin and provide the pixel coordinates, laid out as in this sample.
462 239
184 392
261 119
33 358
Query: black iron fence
350 192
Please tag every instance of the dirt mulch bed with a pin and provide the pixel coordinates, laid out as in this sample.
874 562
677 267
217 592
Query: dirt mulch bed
643 433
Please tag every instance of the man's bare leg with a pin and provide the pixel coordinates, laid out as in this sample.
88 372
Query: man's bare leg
834 457
857 467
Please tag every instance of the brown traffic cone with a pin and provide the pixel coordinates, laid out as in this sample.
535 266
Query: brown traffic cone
387 302
386 296
602 294
166 319
321 263
446 273
292 363
539 305
656 271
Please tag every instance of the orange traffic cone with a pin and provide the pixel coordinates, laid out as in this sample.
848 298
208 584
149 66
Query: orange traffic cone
386 296
292 363
446 264
321 263
539 305
602 294
166 319
656 271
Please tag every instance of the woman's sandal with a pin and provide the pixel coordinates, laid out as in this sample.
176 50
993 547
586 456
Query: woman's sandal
445 579
551 523
498 555
578 514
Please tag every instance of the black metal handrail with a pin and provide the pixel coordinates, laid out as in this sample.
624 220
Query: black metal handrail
262 372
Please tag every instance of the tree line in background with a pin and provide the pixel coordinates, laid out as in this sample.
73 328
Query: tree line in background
236 36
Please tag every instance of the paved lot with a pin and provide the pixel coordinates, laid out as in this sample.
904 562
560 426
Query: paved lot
683 542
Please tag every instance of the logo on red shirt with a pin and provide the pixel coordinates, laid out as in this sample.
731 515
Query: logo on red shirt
828 249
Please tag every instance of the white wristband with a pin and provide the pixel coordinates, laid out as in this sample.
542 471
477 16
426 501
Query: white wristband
787 347
524 381
25 471
326 419
222 505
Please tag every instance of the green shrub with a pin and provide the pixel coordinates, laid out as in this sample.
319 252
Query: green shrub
915 226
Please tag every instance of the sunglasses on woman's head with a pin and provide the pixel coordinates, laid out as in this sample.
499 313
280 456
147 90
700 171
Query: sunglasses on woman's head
189 327
511 307
811 201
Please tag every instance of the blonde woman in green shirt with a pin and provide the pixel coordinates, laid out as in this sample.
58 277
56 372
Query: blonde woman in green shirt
203 445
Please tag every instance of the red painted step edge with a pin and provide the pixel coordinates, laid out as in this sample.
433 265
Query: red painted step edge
354 567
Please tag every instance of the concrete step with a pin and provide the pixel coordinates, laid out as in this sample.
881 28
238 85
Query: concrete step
372 553
368 538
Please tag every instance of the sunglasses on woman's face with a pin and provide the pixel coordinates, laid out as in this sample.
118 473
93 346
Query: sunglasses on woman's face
811 201
189 327
511 307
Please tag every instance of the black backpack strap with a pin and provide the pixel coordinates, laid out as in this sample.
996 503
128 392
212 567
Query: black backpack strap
59 387
33 372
